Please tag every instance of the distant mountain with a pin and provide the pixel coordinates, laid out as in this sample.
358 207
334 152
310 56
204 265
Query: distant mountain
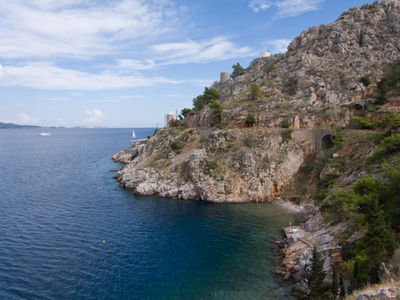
16 126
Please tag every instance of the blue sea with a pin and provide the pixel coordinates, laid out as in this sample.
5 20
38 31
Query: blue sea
67 231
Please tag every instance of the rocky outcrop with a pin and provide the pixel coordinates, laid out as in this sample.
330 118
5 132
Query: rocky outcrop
298 243
385 293
309 87
315 85
240 165
321 72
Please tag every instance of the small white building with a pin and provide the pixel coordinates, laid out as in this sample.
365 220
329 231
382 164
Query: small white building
265 54
171 117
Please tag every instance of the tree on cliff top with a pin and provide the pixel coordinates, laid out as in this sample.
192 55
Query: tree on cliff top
202 100
237 70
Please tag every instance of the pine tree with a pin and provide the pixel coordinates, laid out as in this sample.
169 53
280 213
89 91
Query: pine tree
237 70
334 286
316 276
380 238
355 280
255 91
342 288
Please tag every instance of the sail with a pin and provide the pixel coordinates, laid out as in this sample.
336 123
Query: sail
133 134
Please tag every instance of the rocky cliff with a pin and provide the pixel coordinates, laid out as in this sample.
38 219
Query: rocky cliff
320 73
330 78
226 165
314 85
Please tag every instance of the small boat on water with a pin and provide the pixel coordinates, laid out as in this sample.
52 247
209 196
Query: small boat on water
44 134
134 140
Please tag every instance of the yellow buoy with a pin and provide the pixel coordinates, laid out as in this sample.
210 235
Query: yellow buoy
104 241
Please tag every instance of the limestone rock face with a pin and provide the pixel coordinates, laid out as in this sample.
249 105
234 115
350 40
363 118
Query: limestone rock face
382 293
321 70
314 85
238 165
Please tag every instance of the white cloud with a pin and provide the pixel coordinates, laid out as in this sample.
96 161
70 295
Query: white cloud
216 49
80 28
286 8
279 46
292 8
59 99
94 115
258 5
23 118
119 99
133 64
45 75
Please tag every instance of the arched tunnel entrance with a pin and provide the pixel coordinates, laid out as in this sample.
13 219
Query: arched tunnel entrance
326 141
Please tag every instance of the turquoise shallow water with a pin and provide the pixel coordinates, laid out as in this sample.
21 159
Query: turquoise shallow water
58 202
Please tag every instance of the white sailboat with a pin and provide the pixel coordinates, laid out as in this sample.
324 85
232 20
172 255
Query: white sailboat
134 140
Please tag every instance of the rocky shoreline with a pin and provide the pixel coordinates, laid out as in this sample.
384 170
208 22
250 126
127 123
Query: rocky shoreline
281 144
294 249
227 166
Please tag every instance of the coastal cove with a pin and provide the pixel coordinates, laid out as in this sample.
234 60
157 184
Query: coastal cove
68 231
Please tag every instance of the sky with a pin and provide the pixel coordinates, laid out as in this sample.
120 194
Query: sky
128 63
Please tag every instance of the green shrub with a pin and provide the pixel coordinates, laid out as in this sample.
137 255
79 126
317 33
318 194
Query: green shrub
211 168
216 114
286 135
387 120
342 204
250 120
390 120
365 80
391 177
186 112
391 143
237 70
285 123
255 92
361 123
370 201
386 146
249 141
338 137
321 194
202 100
177 145
389 81
359 275
380 239
316 277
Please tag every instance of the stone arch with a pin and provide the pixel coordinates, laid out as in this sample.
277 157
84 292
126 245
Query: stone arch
359 107
326 141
